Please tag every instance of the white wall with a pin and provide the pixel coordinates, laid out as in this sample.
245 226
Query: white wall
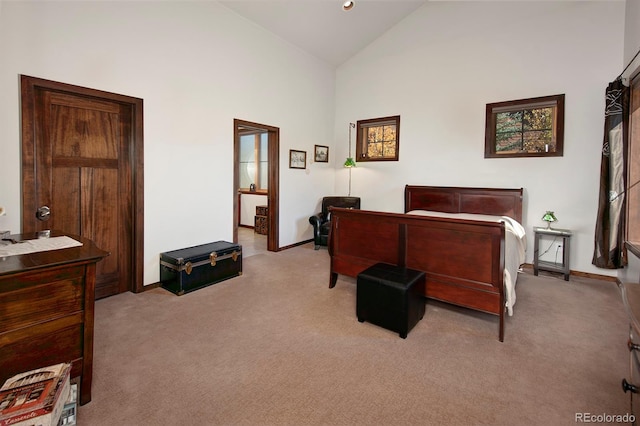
248 203
439 68
632 35
197 66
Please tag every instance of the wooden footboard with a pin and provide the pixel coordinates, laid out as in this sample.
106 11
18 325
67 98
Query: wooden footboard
463 259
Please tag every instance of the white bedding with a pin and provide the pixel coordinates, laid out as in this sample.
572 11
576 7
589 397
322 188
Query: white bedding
515 246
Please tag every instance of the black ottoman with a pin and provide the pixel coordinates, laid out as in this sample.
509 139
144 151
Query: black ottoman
391 297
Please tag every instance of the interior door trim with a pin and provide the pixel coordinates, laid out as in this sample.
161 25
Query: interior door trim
29 86
273 236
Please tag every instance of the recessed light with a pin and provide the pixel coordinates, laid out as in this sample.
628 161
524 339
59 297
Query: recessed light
347 5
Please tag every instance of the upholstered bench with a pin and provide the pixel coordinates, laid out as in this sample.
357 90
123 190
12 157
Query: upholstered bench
391 297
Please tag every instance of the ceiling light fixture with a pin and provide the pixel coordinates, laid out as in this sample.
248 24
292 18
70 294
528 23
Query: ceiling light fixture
347 5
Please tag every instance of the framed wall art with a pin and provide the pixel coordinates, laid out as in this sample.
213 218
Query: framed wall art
321 154
297 159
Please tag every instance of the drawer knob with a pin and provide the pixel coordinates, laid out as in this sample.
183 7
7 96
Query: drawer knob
633 346
626 386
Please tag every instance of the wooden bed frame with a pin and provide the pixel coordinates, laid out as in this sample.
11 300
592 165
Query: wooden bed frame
463 259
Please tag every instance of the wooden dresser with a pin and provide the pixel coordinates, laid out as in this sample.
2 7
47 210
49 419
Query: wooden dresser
47 310
631 298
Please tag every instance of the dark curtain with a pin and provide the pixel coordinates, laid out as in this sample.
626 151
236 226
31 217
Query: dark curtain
610 224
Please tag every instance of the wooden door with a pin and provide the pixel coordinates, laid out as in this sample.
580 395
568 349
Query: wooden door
81 162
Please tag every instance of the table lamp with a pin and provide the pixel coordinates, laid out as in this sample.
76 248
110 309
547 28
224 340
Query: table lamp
549 217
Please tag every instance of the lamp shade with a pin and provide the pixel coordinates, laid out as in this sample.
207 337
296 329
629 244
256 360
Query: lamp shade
349 162
549 217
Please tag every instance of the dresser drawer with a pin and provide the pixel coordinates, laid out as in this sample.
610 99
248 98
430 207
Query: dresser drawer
631 383
56 341
634 367
38 303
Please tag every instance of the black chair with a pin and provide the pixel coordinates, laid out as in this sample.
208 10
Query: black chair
322 221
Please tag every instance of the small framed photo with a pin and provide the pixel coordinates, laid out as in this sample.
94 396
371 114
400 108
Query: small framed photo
321 154
297 159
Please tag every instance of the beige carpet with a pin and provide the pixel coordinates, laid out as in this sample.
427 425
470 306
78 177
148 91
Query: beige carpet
276 346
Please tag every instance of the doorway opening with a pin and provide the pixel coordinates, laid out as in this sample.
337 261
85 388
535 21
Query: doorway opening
256 174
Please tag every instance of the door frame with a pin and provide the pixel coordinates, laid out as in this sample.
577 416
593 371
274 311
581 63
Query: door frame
29 86
273 156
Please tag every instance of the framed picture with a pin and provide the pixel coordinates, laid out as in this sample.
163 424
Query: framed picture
321 154
297 159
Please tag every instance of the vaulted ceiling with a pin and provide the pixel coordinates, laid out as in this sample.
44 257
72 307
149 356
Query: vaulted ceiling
321 28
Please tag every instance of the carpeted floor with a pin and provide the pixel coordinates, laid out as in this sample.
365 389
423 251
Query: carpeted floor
276 346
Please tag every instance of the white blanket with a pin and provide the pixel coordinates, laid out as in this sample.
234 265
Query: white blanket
515 246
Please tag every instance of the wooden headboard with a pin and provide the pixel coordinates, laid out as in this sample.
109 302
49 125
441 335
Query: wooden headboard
448 199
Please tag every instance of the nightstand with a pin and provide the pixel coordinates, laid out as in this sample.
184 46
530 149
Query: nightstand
538 264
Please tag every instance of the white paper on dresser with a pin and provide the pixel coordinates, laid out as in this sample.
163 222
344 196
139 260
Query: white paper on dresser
41 244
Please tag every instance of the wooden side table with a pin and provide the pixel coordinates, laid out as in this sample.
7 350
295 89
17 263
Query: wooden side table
538 264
